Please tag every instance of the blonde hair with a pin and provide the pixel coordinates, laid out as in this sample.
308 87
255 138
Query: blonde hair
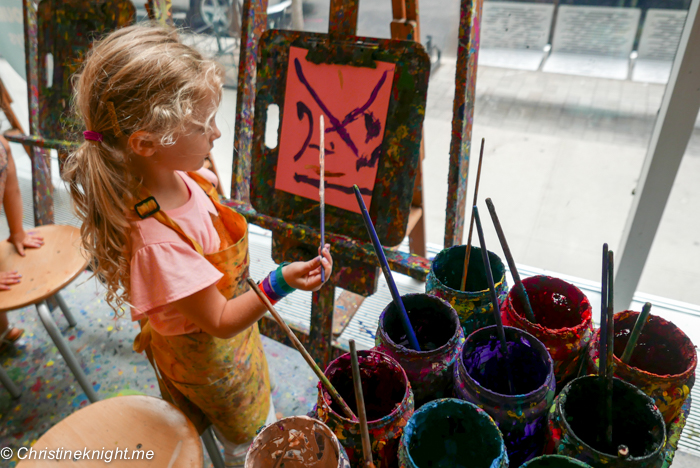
139 78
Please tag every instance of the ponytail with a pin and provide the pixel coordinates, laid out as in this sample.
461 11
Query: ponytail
138 78
99 186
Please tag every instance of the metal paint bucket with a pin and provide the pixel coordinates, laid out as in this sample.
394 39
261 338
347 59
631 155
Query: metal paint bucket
564 324
554 461
388 401
481 378
662 365
575 427
473 305
440 336
302 441
451 433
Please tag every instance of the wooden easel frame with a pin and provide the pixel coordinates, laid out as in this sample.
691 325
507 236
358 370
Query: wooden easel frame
343 21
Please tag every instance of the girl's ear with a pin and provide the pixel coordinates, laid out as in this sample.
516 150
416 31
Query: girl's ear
142 143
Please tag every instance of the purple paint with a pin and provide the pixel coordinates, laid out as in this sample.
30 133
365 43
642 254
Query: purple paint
480 378
372 125
337 125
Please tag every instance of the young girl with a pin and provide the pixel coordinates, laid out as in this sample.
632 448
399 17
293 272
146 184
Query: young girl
160 239
12 203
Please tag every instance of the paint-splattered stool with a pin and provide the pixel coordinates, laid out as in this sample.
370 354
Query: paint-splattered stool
45 272
9 384
122 431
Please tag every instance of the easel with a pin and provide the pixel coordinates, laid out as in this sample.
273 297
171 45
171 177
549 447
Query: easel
343 21
6 108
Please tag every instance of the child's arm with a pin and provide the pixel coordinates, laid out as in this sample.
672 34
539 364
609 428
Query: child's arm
210 311
12 203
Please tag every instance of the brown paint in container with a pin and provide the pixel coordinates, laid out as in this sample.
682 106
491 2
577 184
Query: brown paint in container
296 442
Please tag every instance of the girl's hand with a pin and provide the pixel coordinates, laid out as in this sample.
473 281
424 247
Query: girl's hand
8 278
307 275
23 239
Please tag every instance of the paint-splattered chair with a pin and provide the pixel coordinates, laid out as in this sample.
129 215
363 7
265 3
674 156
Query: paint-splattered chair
140 427
45 272
9 384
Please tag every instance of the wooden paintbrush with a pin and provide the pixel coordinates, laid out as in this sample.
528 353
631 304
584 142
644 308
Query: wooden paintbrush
636 332
494 296
305 354
468 252
322 191
520 287
360 401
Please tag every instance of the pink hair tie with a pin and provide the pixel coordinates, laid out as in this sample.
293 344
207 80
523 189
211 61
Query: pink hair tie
92 136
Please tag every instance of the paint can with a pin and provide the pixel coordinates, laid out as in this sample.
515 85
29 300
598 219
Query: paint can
440 336
451 433
474 305
564 323
662 365
481 377
575 425
302 441
554 461
388 402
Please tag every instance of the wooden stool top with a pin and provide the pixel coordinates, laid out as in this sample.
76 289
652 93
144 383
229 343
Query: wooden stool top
44 271
133 422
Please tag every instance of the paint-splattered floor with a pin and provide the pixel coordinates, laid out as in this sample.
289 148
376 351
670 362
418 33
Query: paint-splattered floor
103 346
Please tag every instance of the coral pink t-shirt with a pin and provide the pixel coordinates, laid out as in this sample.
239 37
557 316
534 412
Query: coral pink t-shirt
166 268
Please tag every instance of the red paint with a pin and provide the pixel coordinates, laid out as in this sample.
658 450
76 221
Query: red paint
37 386
662 365
563 316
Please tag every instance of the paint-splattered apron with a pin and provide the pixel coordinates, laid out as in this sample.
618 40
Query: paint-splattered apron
212 380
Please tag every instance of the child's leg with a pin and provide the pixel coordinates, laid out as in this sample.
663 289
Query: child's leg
234 454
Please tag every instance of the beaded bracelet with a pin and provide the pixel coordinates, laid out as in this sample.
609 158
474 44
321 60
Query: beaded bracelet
274 285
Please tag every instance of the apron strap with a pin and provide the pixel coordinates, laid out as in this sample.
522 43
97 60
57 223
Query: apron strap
149 207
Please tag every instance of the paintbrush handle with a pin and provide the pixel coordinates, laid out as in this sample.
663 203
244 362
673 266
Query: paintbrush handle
494 296
489 279
412 340
610 366
305 354
522 293
322 190
603 335
360 400
636 332
468 253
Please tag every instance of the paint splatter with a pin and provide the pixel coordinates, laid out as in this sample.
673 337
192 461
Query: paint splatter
637 423
474 305
440 336
482 377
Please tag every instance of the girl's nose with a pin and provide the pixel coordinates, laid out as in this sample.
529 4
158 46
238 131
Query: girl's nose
216 133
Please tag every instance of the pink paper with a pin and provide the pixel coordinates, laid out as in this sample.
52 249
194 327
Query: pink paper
354 102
